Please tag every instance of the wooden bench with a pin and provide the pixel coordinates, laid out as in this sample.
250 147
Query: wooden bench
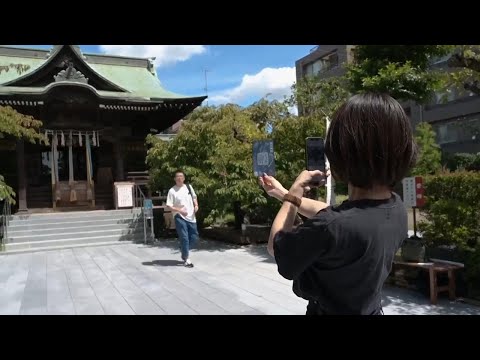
433 268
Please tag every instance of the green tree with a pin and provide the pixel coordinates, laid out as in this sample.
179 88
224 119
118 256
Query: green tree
316 99
430 156
214 147
16 125
403 71
466 65
266 113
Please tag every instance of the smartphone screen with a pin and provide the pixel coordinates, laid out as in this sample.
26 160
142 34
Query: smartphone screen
315 153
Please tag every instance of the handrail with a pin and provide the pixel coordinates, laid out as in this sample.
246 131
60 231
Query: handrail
139 203
139 196
6 213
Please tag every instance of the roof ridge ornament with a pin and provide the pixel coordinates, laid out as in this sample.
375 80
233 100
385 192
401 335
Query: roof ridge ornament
79 51
53 50
71 74
57 48
151 66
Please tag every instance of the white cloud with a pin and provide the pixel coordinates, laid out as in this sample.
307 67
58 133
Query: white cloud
274 82
165 54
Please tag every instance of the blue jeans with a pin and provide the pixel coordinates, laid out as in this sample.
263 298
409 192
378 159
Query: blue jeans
187 234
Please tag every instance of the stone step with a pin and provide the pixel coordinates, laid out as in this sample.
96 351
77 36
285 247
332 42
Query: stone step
81 222
71 242
31 232
74 216
20 231
33 237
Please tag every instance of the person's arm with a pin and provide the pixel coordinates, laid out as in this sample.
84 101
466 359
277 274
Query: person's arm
309 207
286 216
283 222
295 250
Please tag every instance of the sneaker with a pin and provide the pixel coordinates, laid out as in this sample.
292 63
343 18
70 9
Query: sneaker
188 263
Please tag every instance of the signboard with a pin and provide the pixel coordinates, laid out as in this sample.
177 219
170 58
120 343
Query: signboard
263 158
413 192
419 191
124 195
148 208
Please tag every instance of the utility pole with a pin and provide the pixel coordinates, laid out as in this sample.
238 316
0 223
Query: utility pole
331 198
330 181
206 83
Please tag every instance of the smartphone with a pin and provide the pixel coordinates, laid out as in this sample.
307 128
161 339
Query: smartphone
315 154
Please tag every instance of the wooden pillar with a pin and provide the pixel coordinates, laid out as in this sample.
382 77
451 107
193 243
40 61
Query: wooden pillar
118 154
22 181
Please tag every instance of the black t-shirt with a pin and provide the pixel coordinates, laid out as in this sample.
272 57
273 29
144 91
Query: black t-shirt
341 257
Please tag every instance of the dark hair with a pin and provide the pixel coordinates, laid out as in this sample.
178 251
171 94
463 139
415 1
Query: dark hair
178 171
370 141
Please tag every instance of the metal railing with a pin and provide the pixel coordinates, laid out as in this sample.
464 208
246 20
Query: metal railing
138 202
6 214
138 196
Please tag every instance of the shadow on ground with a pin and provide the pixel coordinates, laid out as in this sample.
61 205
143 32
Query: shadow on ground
407 302
163 263
257 250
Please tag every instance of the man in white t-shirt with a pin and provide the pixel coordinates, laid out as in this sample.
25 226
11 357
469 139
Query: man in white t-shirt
182 201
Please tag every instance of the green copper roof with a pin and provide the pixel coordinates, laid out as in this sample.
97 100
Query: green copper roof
131 74
139 81
12 74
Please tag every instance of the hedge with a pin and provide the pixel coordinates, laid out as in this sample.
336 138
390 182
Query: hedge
452 214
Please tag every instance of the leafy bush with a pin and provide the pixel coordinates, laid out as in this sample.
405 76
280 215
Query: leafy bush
429 153
453 215
459 161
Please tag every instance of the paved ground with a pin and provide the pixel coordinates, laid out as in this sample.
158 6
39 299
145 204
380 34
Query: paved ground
137 279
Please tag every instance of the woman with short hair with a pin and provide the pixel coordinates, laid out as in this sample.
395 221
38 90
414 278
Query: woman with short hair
341 256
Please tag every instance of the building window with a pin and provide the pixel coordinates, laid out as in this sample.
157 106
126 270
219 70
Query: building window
448 133
332 60
321 65
458 130
449 95
308 70
318 66
442 97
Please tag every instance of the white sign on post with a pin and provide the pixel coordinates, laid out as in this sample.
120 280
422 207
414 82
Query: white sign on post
330 181
124 195
409 192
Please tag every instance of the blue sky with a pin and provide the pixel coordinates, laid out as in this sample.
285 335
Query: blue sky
240 74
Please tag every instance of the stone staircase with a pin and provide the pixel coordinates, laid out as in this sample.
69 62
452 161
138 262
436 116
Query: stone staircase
74 229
